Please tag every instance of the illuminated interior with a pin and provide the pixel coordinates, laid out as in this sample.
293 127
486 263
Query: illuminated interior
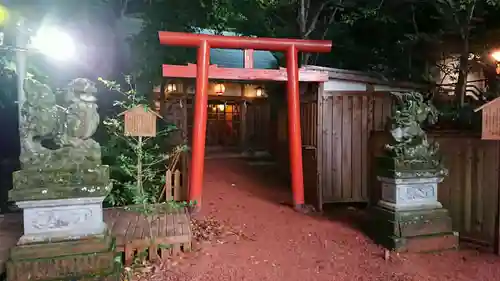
223 123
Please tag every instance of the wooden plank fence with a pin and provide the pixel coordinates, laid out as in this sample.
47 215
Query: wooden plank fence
335 130
470 192
347 121
173 186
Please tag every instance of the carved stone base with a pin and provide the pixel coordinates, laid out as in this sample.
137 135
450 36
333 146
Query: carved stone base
413 231
93 258
62 219
410 193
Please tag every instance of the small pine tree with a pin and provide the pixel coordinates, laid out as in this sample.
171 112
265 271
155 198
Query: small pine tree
138 165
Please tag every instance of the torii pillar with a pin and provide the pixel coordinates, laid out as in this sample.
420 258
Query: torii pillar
203 72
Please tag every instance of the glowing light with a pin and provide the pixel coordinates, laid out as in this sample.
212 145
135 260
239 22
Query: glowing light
221 107
259 92
219 89
54 43
496 56
171 87
4 15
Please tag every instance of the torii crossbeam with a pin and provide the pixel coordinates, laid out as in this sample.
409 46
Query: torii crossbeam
203 71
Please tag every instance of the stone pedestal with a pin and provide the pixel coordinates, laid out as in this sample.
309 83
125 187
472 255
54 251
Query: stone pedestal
413 231
409 218
65 236
90 258
409 193
61 219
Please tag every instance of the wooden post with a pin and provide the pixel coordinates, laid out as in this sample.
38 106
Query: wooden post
319 145
248 57
243 120
294 133
199 125
497 222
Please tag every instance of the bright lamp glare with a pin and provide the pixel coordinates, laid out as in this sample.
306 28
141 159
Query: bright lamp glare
54 43
496 56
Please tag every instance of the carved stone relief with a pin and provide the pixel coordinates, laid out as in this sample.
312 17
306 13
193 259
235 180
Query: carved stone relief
56 219
420 192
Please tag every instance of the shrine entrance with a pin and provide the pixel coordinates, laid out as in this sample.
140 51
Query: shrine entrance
203 71
223 124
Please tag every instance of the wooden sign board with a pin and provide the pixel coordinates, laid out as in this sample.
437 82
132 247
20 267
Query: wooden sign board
140 121
491 120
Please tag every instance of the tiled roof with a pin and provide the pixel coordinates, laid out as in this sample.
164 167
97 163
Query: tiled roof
234 58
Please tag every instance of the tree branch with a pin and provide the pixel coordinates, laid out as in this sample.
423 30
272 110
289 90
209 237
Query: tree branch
123 8
325 32
308 6
315 19
382 3
330 21
302 17
414 20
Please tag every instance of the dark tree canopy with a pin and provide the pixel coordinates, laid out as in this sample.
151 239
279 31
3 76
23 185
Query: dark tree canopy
401 39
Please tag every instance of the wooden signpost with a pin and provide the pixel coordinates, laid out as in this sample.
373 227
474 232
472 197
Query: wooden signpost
140 121
491 120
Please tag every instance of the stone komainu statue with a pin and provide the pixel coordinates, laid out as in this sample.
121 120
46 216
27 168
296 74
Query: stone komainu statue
56 129
59 159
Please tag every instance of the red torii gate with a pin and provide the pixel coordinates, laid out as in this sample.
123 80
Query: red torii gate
203 71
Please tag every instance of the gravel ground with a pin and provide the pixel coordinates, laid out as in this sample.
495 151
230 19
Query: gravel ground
260 239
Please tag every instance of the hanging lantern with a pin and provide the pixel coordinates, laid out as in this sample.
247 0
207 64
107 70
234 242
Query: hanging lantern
219 89
259 91
496 57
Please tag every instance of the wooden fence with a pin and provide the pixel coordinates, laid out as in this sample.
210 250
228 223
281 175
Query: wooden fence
471 190
309 123
335 131
174 186
347 120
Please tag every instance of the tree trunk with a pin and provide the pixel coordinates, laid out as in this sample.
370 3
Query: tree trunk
463 68
306 57
463 71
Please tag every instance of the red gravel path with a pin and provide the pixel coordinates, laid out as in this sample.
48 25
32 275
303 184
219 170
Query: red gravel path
290 246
